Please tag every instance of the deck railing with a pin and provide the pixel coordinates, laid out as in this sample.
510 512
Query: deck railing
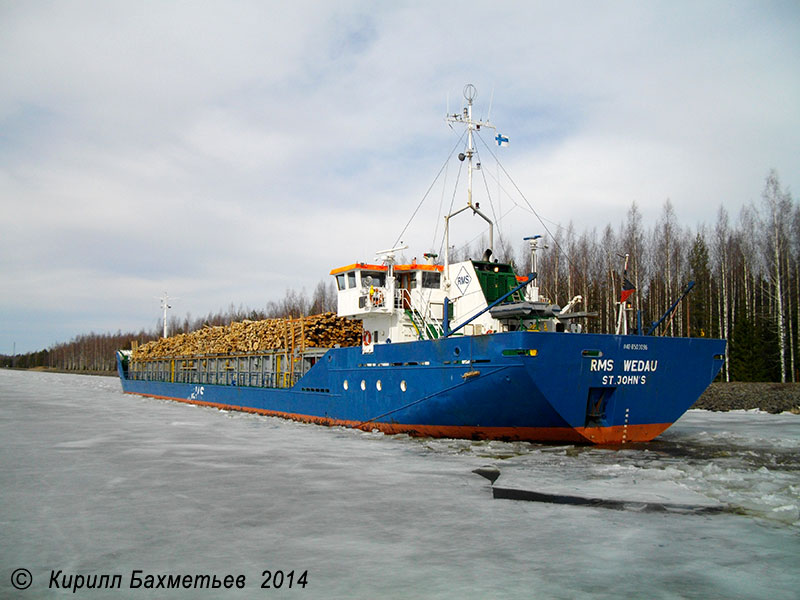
266 369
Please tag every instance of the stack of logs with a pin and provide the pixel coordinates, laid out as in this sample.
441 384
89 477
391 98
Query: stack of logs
316 331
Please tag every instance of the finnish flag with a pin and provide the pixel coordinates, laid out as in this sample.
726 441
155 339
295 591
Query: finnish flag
501 140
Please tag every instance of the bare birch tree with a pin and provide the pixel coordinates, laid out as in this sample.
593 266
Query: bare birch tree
777 210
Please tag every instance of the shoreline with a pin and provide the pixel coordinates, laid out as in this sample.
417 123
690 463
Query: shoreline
67 371
746 395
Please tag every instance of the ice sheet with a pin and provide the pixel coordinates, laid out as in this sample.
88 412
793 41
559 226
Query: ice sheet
94 481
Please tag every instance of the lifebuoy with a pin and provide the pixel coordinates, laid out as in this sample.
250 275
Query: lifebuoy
375 296
367 338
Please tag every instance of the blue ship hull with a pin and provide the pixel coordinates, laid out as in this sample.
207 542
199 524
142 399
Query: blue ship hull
554 387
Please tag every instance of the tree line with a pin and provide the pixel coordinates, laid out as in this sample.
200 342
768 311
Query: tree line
745 269
96 352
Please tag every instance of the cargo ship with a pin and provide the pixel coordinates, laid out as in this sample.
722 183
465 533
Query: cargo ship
465 349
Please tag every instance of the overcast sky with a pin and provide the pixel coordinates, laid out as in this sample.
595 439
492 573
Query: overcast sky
226 151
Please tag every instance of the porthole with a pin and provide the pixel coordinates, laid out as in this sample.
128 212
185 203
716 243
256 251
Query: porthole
378 385
363 385
456 350
345 385
403 385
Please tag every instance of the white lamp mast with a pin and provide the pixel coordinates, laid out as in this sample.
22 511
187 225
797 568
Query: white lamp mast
165 305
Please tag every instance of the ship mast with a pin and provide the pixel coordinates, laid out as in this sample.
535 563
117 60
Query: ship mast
465 118
533 241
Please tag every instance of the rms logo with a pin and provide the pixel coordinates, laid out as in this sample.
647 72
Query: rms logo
463 280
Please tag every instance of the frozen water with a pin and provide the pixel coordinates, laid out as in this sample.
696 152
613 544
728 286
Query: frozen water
93 481
746 462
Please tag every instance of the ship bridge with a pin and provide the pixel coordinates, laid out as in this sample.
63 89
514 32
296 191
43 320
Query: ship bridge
395 302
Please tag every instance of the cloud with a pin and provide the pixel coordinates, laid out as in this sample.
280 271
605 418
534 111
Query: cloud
227 151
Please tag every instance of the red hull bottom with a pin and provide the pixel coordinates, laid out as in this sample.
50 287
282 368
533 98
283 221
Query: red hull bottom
619 434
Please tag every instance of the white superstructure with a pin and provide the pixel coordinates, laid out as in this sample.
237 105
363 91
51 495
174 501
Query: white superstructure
405 302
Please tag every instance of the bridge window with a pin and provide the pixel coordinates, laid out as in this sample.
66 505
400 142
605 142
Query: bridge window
373 278
430 280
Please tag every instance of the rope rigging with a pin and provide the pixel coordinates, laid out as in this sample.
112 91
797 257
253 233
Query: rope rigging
528 206
416 210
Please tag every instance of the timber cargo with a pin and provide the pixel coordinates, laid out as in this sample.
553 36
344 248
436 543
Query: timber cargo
467 349
315 331
269 352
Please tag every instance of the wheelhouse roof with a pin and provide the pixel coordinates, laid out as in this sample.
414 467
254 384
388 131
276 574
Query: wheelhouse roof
369 267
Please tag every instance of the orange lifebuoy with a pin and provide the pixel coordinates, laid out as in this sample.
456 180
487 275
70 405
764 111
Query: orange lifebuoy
488 331
367 338
375 296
